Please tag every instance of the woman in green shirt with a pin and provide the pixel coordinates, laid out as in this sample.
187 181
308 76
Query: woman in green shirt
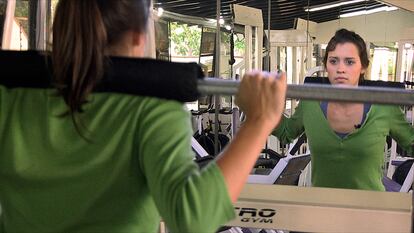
117 162
346 139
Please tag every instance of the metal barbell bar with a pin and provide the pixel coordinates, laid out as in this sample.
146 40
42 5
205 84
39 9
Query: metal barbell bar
375 95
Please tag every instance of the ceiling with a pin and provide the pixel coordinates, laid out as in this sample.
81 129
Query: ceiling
283 12
405 4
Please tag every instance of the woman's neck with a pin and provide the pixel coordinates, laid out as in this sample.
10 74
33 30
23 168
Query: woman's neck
130 44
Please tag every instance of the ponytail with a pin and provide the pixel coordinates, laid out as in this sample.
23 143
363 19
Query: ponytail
79 41
82 32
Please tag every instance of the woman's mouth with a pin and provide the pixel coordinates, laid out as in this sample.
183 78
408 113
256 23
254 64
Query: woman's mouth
340 79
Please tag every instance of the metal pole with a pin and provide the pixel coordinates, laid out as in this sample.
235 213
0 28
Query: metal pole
373 95
268 34
7 25
33 26
217 73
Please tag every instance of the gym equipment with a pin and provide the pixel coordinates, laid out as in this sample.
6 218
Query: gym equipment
404 175
148 77
311 209
375 95
402 171
286 171
179 81
259 206
274 168
205 136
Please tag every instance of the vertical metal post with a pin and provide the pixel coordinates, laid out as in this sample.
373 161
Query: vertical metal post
269 11
38 24
32 23
217 74
8 24
48 29
3 7
248 58
295 73
309 46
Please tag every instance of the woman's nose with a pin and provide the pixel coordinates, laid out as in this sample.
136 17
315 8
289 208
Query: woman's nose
341 67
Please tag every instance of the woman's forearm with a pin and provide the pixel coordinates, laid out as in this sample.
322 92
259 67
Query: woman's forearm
239 157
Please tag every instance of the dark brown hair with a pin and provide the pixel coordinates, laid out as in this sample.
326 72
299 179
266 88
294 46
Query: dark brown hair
345 36
82 31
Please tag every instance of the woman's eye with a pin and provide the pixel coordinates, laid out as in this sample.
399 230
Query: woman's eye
350 62
333 61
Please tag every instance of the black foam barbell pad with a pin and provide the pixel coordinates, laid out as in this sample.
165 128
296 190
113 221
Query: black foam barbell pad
146 77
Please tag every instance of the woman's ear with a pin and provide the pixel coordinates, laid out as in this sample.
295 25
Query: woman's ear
138 38
363 71
138 43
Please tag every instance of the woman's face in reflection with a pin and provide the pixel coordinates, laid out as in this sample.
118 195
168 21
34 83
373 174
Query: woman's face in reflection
344 65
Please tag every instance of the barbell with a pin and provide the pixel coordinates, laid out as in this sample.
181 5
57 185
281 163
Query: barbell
183 82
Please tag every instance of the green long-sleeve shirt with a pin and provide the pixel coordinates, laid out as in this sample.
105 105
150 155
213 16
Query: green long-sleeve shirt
136 166
356 161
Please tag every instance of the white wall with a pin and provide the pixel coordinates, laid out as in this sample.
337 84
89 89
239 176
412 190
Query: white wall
377 27
408 34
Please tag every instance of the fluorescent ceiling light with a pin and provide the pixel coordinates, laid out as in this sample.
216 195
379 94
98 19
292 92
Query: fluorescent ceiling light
160 11
333 5
221 21
367 12
382 48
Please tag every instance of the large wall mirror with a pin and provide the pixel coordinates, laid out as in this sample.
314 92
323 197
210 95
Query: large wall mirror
295 36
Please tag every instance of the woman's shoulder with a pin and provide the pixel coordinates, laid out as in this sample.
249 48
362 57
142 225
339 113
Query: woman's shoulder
158 103
157 107
138 100
379 111
141 106
309 103
386 108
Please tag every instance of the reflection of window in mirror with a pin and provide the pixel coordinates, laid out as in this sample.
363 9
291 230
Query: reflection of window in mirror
383 61
162 42
185 42
207 50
